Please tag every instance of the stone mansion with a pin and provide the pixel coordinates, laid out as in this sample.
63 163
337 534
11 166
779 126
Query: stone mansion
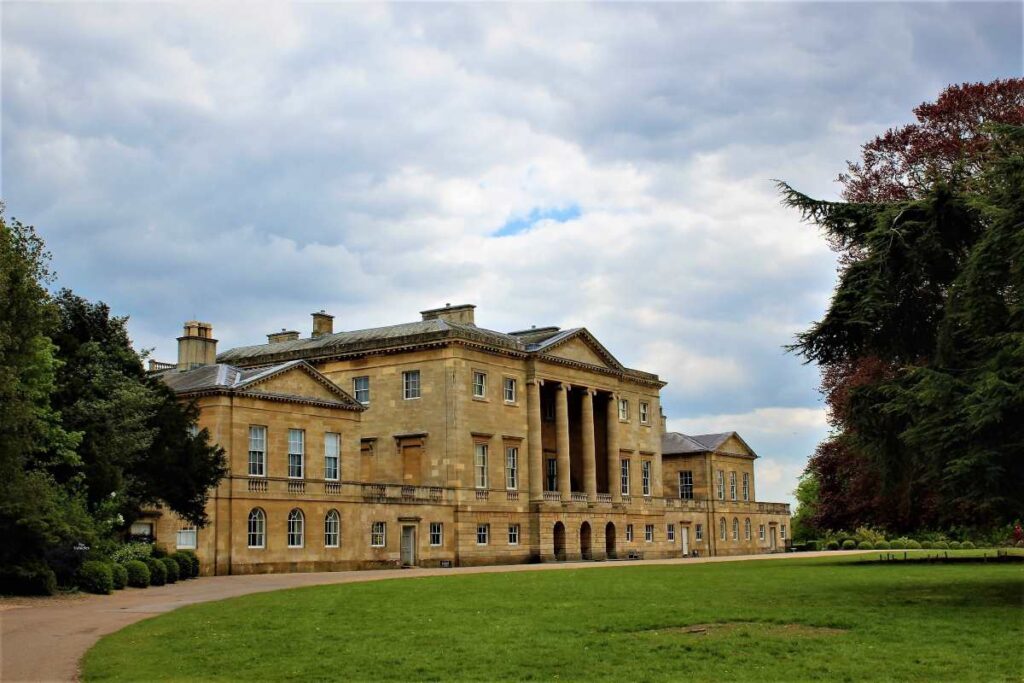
440 443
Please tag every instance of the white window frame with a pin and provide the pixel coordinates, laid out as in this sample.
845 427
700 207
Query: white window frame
257 450
698 532
512 468
296 528
513 534
411 387
686 484
782 532
483 531
357 390
332 529
723 532
480 453
479 384
629 533
720 483
378 534
732 485
645 476
645 413
257 528
746 529
296 447
436 534
735 528
670 533
190 532
335 438
746 486
624 476
624 410
648 533
509 389
760 531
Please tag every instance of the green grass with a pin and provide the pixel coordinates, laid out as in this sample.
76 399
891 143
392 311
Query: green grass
790 619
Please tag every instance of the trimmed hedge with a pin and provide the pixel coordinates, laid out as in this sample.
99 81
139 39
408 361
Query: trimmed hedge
832 545
157 572
138 573
31 578
184 565
912 545
882 545
194 559
927 545
865 545
942 545
119 575
955 545
171 566
966 545
849 544
95 577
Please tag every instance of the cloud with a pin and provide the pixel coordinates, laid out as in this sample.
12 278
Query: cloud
248 167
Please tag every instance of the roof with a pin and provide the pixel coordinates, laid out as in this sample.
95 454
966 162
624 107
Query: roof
225 378
677 443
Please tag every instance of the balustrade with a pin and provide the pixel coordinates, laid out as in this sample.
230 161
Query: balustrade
553 496
296 487
332 488
258 485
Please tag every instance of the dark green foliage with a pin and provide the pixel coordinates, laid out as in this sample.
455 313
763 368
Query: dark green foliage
941 545
119 575
95 577
911 544
184 565
927 545
865 545
849 544
882 545
138 573
171 568
832 545
966 545
157 571
158 552
193 559
28 577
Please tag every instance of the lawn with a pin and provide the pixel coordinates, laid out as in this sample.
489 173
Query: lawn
766 620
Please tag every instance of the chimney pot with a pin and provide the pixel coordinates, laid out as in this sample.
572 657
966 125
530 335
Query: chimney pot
462 313
323 324
196 346
282 336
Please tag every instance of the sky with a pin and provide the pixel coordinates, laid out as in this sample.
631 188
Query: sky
608 166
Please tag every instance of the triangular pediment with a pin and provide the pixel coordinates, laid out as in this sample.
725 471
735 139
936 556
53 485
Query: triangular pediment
582 347
297 379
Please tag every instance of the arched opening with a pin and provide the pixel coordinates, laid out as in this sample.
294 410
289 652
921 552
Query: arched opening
585 550
559 541
609 541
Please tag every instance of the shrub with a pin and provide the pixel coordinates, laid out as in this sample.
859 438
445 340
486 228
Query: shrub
159 552
849 544
927 545
942 545
171 566
813 545
119 575
138 573
882 545
184 565
132 551
157 572
868 534
31 578
832 545
966 545
912 545
194 559
902 543
95 577
865 545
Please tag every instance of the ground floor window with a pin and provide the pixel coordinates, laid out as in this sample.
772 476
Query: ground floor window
671 533
332 529
257 528
296 522
186 538
746 529
760 532
378 535
699 532
735 529
782 532
483 532
513 534
721 528
629 532
436 533
649 533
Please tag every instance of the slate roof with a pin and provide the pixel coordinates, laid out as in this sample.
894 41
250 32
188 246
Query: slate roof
222 377
677 443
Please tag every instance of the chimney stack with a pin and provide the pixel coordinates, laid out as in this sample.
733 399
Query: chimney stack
282 336
462 314
323 324
196 346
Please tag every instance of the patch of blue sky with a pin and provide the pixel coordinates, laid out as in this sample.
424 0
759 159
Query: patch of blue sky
518 224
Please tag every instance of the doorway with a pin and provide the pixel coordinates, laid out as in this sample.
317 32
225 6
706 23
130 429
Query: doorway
609 541
773 542
559 541
684 534
408 546
585 551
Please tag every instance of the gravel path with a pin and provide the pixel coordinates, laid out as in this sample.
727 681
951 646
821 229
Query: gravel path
43 639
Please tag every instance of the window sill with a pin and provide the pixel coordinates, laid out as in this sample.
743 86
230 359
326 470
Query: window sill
512 404
481 399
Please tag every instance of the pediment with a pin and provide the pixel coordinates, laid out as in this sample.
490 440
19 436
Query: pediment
298 379
734 444
580 346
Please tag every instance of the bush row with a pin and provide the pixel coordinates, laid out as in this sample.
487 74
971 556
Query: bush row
895 544
138 570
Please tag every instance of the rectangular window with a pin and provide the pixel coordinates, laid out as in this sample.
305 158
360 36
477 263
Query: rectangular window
513 534
512 468
411 384
760 532
649 533
782 532
361 389
746 486
698 532
623 409
436 533
479 385
552 478
629 533
186 538
671 533
510 390
549 410
645 476
732 485
645 412
686 485
378 535
720 481
624 476
480 465
296 452
483 533
332 456
257 451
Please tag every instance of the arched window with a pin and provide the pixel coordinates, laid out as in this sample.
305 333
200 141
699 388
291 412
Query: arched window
332 529
735 529
257 528
721 528
296 521
746 529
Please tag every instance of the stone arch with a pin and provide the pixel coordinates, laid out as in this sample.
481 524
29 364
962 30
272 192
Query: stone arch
609 541
559 541
586 550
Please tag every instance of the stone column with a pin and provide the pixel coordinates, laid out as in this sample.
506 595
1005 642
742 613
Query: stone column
614 485
589 448
534 439
562 443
